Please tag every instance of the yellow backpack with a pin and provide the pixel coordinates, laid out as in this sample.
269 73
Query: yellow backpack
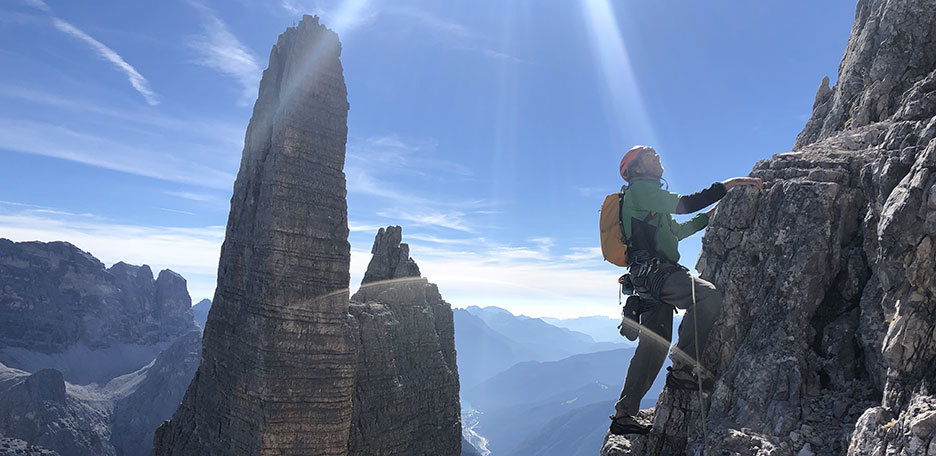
613 247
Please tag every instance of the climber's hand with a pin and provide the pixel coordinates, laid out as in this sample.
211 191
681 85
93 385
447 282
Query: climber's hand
741 181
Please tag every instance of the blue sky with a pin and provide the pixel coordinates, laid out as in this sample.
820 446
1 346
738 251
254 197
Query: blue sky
490 130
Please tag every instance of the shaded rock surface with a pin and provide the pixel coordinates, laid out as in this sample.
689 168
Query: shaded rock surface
16 447
157 390
38 409
113 322
277 367
61 308
390 258
406 387
827 339
201 312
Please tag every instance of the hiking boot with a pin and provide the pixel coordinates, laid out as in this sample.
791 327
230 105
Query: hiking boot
625 425
685 378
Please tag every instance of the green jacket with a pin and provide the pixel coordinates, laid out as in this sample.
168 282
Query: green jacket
646 205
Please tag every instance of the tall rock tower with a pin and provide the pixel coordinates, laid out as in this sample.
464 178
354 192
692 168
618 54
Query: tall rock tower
277 368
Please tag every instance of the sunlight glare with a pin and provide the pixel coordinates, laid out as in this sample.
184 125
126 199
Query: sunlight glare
614 62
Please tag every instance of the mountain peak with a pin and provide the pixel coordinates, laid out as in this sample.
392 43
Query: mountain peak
390 258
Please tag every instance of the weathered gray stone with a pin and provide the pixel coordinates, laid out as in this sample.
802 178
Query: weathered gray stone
73 322
390 258
886 70
58 303
406 386
826 340
277 368
36 409
16 447
161 387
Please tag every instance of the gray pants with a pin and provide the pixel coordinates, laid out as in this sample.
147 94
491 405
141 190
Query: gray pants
656 332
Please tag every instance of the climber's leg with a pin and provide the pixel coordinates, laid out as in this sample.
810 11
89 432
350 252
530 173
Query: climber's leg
677 291
655 335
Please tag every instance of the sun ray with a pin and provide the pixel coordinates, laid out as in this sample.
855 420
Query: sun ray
627 103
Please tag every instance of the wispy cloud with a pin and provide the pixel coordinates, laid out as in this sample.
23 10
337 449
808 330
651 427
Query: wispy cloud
220 50
591 192
201 131
527 279
394 141
346 16
393 154
210 198
38 4
503 56
355 227
583 253
52 140
136 79
451 220
431 21
174 211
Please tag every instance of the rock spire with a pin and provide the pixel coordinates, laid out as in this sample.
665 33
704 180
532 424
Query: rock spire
277 368
406 386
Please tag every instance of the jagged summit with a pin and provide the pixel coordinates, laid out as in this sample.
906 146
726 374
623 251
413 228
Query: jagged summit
887 71
825 343
390 258
79 371
406 385
62 308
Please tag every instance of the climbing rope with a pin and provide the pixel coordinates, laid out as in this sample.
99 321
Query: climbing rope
695 334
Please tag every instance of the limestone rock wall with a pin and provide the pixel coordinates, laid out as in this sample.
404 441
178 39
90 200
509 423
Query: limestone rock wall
277 368
38 408
161 386
406 387
390 258
886 74
827 340
56 296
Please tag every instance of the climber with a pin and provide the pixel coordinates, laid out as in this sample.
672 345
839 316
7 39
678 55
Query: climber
652 236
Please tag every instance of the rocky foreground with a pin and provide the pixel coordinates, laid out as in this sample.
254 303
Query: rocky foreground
827 340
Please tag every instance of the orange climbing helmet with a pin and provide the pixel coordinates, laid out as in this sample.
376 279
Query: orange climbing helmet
629 157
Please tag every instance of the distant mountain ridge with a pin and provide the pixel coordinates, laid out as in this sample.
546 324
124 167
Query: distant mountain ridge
518 407
600 328
92 359
491 339
200 312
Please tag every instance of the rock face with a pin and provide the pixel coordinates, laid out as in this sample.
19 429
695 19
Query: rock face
390 258
406 387
277 368
77 322
16 447
159 387
201 312
826 340
60 307
37 408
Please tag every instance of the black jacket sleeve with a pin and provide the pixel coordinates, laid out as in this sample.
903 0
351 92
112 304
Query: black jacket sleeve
688 204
